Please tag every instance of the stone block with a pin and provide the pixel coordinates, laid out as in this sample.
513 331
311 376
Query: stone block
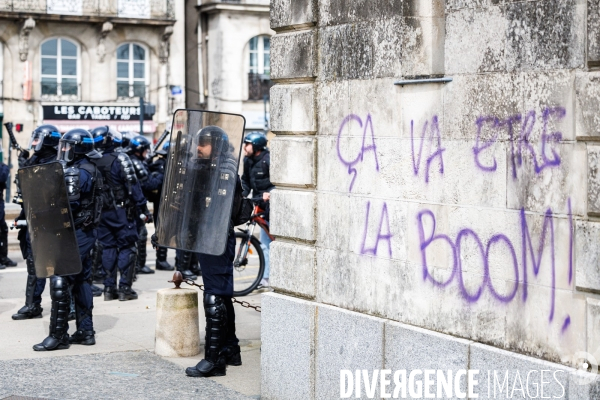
422 46
293 108
593 327
584 386
293 161
287 352
177 329
410 348
337 12
514 375
475 41
346 52
593 179
293 13
593 31
293 214
587 256
545 34
293 55
587 119
359 347
453 5
293 268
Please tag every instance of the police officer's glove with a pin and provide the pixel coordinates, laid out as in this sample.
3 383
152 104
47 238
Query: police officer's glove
147 213
154 241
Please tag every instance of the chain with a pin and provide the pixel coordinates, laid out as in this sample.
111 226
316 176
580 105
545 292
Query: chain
244 304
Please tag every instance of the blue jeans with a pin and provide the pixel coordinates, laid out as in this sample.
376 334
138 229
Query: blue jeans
265 244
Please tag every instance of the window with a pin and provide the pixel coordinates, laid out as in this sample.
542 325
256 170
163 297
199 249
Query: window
60 58
131 71
260 55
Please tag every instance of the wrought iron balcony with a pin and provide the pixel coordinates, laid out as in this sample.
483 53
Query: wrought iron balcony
52 91
258 86
136 9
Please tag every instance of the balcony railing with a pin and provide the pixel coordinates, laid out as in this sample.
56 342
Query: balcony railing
258 86
139 9
52 91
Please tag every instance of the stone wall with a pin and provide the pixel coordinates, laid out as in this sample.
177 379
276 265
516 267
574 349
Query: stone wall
461 215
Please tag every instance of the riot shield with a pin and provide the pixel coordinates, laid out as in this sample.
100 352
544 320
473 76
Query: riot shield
49 220
200 181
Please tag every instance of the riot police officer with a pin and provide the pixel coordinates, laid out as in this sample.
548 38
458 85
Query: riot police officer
157 169
117 231
138 150
84 183
43 143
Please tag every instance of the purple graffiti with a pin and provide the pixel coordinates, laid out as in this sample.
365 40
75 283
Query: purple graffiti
546 243
521 143
434 136
387 237
566 324
360 157
570 241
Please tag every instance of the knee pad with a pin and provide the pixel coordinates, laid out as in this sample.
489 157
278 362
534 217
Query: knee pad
59 288
214 306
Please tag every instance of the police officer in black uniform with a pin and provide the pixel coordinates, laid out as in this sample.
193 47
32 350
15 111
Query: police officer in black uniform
118 231
138 150
157 171
43 143
84 182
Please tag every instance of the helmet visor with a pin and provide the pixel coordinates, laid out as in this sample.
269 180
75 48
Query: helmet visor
36 142
65 152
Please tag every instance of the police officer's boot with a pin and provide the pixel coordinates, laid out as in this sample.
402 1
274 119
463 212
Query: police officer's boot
141 266
183 262
4 260
29 310
85 338
195 265
161 260
125 291
213 363
58 339
110 293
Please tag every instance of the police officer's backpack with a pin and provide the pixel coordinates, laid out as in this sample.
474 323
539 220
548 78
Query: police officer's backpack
242 206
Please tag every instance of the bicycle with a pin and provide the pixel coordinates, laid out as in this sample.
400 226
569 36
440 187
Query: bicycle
248 268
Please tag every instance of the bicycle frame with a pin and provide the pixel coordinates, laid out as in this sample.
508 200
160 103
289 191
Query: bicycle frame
255 218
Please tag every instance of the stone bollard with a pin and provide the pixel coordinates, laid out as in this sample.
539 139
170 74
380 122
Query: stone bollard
177 331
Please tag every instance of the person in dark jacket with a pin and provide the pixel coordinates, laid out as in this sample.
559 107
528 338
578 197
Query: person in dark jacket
256 179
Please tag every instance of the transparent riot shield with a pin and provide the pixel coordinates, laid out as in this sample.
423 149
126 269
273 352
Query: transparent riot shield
200 181
49 220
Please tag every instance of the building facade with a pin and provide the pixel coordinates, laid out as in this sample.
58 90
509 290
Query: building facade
437 199
228 58
86 63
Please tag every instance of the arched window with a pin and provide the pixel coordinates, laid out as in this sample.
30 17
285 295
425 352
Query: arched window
60 68
260 55
132 70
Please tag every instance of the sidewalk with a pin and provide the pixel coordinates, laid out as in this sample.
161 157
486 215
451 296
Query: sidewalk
122 365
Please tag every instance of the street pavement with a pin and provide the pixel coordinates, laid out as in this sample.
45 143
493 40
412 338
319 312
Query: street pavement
122 364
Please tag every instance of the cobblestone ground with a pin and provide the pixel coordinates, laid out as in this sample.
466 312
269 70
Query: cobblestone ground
124 375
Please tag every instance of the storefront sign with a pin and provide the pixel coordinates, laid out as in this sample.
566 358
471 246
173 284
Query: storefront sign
93 113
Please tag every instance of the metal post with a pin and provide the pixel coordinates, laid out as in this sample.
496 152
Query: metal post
142 112
9 170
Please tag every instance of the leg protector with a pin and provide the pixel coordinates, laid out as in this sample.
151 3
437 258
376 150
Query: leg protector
183 261
30 309
213 363
4 260
161 260
59 325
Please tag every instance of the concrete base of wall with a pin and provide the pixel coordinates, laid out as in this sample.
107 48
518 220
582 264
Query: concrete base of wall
305 345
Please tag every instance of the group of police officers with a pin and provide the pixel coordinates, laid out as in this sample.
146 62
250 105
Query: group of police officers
109 178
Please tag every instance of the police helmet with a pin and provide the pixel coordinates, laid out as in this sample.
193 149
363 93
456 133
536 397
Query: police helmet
127 136
44 135
257 139
139 144
105 137
214 137
165 149
74 144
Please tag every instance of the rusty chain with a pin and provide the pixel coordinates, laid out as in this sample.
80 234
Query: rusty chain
244 304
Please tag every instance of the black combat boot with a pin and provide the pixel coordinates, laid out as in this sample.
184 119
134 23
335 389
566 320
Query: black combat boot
183 264
232 354
195 265
161 260
85 338
110 293
29 310
58 339
214 363
127 293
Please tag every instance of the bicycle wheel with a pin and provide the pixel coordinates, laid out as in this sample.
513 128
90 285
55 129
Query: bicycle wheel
248 268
